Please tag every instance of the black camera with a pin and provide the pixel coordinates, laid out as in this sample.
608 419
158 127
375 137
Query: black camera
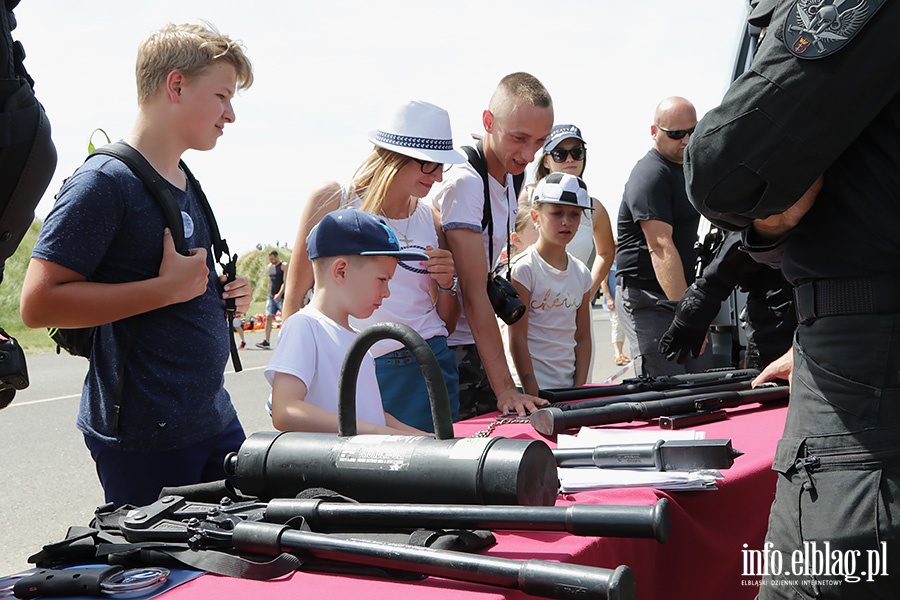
13 372
504 298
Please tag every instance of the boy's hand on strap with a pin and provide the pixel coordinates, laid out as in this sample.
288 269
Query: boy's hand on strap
512 401
185 276
240 290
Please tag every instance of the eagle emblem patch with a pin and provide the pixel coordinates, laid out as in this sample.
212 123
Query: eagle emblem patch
817 28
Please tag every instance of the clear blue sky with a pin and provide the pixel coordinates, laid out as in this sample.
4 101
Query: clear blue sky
326 71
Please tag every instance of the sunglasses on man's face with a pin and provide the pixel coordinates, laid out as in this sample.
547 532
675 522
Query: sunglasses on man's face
676 134
559 155
430 167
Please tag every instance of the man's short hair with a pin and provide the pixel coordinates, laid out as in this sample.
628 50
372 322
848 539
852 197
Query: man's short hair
190 49
273 253
522 87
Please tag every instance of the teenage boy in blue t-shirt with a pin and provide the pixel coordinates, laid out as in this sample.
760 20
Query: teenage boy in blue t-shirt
154 411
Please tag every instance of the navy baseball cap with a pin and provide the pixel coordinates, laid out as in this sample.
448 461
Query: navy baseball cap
560 133
354 232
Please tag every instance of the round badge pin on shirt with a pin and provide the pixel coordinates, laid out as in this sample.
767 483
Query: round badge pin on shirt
188 225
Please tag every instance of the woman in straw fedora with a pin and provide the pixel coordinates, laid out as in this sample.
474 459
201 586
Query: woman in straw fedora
412 149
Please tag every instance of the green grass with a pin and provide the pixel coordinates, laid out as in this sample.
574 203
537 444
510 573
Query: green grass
252 265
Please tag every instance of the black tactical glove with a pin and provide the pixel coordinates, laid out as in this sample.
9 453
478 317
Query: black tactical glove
687 332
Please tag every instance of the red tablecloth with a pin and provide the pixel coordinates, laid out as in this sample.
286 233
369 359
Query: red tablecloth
703 558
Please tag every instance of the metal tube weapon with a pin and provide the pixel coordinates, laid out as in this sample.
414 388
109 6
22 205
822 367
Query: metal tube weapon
552 421
649 384
577 519
542 578
396 468
206 526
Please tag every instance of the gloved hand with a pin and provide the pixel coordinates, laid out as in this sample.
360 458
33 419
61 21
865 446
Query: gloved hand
687 333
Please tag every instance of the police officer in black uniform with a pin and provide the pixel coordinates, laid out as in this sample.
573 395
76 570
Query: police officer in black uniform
803 156
769 313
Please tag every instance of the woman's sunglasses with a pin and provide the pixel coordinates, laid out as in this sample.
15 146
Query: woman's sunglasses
676 134
430 167
559 155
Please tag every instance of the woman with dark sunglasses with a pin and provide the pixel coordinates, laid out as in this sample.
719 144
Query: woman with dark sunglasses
565 152
412 150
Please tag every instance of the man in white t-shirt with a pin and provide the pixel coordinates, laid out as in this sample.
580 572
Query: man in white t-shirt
518 120
354 255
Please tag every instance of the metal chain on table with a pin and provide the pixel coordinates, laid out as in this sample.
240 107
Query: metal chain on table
505 421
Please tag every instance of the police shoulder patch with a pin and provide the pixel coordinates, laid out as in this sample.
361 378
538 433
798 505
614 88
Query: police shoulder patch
817 28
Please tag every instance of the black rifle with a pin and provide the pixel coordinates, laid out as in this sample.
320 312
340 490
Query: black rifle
649 384
552 421
660 395
230 527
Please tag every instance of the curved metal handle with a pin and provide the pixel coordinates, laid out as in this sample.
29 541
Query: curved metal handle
438 396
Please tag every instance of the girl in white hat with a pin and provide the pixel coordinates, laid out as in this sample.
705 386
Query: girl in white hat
413 148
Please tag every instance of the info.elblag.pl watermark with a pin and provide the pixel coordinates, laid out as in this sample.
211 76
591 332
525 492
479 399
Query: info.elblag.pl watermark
817 561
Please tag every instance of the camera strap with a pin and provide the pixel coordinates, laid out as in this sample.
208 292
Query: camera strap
479 163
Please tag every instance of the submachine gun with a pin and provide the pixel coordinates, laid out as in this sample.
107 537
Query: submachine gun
554 420
650 384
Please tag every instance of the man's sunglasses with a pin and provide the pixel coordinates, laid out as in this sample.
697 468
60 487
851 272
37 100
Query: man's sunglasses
676 134
430 167
559 155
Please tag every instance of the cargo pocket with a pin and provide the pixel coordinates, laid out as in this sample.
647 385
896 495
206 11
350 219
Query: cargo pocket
832 508
828 403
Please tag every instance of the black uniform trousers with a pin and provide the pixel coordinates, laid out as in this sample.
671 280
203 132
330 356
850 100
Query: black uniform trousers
837 502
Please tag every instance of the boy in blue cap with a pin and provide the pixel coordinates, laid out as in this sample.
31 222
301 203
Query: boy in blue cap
354 255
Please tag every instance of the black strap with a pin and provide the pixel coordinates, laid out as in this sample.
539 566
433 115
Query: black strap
135 161
479 163
154 182
229 264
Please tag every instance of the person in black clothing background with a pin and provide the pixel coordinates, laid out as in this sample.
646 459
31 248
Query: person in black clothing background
803 157
657 230
275 298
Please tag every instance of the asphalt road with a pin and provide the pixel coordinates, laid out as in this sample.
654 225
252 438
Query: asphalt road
47 478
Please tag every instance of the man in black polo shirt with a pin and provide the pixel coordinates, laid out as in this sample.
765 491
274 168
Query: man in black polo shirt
657 231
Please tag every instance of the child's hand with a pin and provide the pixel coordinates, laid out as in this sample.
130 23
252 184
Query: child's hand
513 401
440 266
240 290
186 276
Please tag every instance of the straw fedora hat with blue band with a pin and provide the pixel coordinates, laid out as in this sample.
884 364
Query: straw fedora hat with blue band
418 130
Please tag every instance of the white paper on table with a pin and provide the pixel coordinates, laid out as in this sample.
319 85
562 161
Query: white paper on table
576 479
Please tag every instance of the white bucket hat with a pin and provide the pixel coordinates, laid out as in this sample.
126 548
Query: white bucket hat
418 130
